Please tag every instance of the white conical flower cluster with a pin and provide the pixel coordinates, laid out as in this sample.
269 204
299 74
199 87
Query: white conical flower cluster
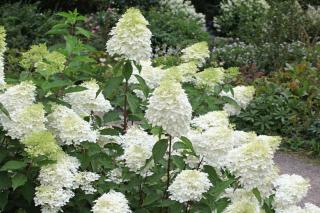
137 146
25 117
170 109
131 38
2 50
187 70
23 122
87 101
290 190
189 185
198 52
112 201
69 127
56 184
209 78
242 95
253 164
85 179
213 145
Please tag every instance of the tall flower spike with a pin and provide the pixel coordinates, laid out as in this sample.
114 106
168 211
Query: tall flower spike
198 52
2 50
131 39
87 101
169 108
112 201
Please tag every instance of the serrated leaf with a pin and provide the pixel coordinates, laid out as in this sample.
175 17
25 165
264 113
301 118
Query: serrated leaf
143 85
127 70
111 116
188 144
159 150
220 187
81 31
133 103
13 165
18 180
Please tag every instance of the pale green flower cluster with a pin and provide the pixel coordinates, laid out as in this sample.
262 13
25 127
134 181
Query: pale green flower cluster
187 71
184 7
198 52
131 39
42 143
3 47
45 62
210 77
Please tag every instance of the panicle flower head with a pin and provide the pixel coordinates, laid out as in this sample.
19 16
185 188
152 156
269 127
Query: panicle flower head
310 208
85 179
242 95
253 164
131 38
56 183
23 122
211 119
69 127
17 97
198 52
33 56
187 71
213 145
42 143
112 201
86 101
169 108
209 78
189 185
137 146
290 190
241 137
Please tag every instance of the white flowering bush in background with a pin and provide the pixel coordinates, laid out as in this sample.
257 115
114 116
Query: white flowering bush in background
75 139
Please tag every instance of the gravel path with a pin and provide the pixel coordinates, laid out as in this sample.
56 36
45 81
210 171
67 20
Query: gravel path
292 163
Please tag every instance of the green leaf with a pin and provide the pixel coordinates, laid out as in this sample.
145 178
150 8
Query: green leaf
213 176
81 31
143 86
109 131
179 162
112 85
4 110
5 181
127 70
188 144
221 204
3 199
111 116
220 187
159 150
18 180
133 103
13 165
151 198
27 191
3 154
74 89
256 193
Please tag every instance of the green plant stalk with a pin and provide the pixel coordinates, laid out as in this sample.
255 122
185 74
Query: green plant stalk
125 110
168 166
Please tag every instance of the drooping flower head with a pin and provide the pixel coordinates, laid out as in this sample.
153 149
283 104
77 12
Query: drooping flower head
131 39
290 190
69 127
42 143
170 109
189 185
112 201
209 78
198 52
87 101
